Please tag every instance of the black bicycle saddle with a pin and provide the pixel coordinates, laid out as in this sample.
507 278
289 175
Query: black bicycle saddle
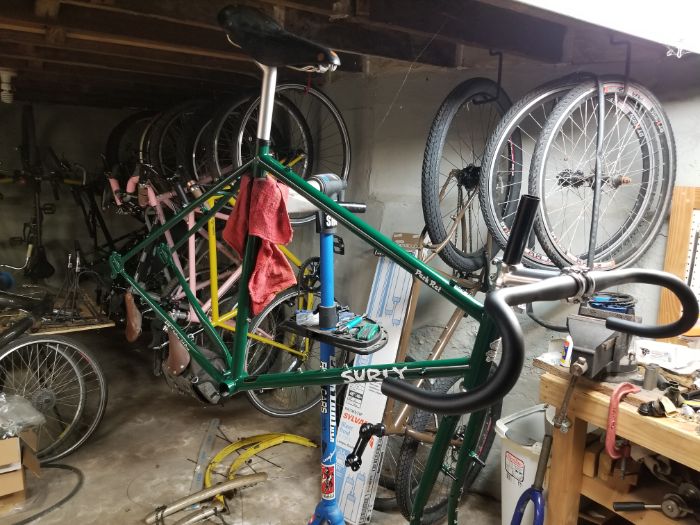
264 39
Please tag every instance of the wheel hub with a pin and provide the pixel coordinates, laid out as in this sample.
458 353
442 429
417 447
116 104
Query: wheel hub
468 177
569 178
43 399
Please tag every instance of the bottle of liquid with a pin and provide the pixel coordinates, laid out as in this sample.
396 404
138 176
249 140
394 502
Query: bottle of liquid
566 352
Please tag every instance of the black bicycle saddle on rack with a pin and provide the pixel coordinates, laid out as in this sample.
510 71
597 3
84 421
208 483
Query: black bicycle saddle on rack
268 43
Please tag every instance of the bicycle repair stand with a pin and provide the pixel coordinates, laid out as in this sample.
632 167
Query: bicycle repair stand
327 511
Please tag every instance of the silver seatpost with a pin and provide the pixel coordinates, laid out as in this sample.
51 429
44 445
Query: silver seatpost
267 101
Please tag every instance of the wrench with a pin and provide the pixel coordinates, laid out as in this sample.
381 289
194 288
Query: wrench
577 370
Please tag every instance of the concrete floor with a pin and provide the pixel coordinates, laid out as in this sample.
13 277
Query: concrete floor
142 456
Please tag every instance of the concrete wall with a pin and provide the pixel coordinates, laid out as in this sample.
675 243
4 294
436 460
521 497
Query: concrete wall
79 134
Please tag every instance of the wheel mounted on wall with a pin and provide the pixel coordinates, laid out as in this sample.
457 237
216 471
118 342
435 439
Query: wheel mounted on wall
637 174
506 165
452 167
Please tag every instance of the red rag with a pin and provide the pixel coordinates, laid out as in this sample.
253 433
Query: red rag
261 210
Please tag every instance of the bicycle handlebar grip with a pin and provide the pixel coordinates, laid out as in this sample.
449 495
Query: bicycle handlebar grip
522 226
497 306
681 290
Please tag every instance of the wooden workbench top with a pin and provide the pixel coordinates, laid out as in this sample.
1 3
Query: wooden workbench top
675 438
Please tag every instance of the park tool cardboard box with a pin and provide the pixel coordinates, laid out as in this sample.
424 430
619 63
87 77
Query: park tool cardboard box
16 455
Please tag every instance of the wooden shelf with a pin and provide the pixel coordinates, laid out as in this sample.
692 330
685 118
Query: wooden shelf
601 493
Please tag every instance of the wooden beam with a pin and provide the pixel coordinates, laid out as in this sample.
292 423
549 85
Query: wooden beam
52 39
66 87
80 75
48 8
310 18
76 25
121 29
121 64
474 23
351 36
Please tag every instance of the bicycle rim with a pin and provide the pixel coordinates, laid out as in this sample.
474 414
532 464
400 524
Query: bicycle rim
61 380
166 136
452 165
263 358
637 173
329 134
507 163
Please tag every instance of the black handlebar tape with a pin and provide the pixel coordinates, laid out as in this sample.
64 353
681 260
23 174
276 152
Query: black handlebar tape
623 506
354 207
522 226
685 295
508 371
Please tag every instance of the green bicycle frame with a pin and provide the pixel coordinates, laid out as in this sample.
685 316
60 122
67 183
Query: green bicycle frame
234 378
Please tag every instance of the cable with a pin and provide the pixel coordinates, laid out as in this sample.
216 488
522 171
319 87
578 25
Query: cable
543 323
60 502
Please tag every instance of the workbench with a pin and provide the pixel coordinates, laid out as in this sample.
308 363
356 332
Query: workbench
674 438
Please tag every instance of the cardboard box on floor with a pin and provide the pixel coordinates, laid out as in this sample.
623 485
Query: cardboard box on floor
16 455
364 401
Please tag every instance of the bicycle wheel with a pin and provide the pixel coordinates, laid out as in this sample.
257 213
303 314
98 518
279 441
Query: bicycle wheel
452 167
386 497
264 358
637 175
164 140
507 163
329 134
123 143
63 381
233 132
414 454
192 151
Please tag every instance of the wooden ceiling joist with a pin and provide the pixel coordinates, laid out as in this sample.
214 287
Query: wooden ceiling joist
180 41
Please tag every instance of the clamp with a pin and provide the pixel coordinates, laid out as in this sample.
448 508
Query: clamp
611 447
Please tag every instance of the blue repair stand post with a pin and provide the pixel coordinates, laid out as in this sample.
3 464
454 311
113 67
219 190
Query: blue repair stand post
327 511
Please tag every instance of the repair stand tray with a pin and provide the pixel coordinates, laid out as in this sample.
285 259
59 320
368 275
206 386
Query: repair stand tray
343 341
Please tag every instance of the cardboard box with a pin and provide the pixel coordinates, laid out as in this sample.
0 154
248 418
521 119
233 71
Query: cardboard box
16 455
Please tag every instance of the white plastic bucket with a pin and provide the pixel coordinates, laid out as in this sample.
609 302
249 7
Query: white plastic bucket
521 442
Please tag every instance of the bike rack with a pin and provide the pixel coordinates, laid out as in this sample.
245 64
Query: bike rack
494 52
